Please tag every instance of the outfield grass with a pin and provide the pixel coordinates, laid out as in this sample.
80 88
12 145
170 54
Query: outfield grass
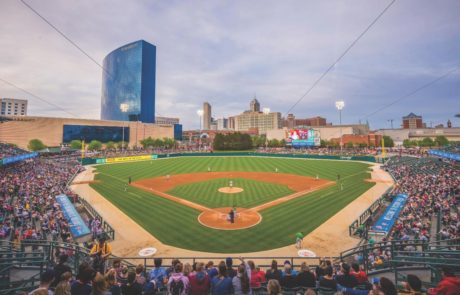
177 225
206 193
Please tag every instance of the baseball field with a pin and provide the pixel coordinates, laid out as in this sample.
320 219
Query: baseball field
184 201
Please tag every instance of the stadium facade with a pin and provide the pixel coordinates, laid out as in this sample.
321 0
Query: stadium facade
20 130
128 83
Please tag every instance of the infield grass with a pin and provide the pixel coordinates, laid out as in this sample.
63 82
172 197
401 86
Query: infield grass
177 225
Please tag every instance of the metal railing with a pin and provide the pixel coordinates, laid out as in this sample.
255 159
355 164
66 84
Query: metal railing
108 230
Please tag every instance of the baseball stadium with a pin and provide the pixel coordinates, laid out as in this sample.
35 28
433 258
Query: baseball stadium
149 168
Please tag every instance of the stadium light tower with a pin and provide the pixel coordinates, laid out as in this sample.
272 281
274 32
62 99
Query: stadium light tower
340 105
124 107
200 115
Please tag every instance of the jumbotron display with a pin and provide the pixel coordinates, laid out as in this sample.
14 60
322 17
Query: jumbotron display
303 137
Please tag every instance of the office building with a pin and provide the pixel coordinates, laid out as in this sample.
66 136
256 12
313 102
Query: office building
412 121
222 124
206 116
13 107
292 122
254 105
128 83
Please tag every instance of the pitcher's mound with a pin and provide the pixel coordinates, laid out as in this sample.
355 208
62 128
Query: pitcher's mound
230 190
217 218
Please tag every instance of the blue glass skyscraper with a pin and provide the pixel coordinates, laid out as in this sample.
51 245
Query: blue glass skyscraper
128 83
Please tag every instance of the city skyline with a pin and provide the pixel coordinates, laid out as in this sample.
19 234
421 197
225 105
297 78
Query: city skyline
224 53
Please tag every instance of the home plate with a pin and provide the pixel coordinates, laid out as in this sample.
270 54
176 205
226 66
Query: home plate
306 253
147 252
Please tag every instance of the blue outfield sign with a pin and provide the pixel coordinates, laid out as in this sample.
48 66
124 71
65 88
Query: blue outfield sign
388 219
77 227
18 158
446 155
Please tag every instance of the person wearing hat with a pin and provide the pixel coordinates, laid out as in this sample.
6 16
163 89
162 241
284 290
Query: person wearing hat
298 240
100 252
46 279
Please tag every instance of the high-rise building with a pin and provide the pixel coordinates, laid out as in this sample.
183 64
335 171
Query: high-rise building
222 124
412 121
206 116
128 83
254 105
13 107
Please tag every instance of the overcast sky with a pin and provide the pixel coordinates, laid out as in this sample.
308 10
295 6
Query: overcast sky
225 52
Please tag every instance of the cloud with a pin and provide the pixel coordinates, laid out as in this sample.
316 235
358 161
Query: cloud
225 52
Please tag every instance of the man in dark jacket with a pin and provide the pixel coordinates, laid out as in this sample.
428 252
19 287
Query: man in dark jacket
346 279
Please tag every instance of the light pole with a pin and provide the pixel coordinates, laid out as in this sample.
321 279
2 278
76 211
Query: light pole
339 105
123 108
200 115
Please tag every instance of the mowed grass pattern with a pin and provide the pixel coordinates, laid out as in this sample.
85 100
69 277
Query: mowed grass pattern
206 193
177 225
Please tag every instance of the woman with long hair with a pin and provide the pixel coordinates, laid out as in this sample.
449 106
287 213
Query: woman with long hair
100 285
111 279
221 284
274 288
241 282
63 287
274 273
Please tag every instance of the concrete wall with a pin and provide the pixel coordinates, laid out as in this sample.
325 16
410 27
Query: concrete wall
50 130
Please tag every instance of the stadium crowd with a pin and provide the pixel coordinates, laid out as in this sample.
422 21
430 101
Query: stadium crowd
225 278
8 150
29 210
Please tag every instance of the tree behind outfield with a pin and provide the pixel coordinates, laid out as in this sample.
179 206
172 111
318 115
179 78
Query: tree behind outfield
95 145
388 141
441 140
75 144
36 145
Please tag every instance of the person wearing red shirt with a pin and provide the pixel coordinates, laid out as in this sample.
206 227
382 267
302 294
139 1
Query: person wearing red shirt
449 284
359 274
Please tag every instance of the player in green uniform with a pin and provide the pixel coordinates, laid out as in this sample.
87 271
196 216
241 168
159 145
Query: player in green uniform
298 240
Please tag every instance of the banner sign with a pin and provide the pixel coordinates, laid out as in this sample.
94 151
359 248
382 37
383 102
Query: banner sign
128 159
18 158
154 157
77 227
387 220
446 155
100 160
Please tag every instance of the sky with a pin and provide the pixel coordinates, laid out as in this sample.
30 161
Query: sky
227 52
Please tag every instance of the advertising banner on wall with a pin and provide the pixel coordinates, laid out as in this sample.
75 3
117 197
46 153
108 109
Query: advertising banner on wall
78 228
128 159
446 155
18 158
387 220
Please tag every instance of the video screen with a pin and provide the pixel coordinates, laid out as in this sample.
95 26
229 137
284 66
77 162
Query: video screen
303 138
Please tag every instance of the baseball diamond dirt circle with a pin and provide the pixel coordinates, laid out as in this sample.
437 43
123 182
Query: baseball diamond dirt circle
217 218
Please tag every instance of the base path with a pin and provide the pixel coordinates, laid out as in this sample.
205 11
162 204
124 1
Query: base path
329 239
217 218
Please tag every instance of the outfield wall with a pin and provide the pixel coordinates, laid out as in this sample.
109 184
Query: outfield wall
90 161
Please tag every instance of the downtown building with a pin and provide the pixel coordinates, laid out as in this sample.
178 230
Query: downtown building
128 83
13 107
255 120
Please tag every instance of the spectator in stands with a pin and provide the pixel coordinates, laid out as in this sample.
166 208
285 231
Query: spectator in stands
413 285
449 284
288 280
99 286
140 277
178 284
60 268
131 287
273 273
63 287
383 286
100 253
199 280
221 284
274 288
346 279
305 278
231 272
46 279
242 281
293 271
327 281
211 270
122 277
158 273
256 278
112 285
359 274
82 285
187 269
